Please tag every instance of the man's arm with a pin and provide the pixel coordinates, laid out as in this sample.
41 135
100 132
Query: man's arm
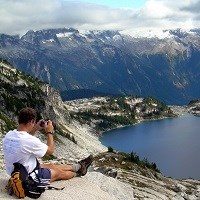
50 141
36 128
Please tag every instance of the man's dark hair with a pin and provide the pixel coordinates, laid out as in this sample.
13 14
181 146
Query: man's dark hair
26 115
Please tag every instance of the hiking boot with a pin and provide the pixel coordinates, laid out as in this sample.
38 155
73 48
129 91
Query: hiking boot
85 163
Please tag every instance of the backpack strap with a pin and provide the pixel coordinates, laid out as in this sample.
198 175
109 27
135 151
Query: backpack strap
55 188
46 187
36 168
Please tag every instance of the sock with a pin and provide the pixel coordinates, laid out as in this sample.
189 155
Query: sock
77 174
76 167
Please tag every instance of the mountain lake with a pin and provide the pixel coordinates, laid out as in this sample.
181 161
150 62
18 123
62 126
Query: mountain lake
173 144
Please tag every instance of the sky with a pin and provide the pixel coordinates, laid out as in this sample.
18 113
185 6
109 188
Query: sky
127 16
118 3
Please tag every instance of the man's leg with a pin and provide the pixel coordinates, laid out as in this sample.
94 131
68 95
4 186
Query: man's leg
60 172
63 167
65 172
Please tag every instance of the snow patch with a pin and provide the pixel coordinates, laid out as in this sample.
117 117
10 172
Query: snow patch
46 41
82 35
63 35
153 33
51 40
117 37
84 32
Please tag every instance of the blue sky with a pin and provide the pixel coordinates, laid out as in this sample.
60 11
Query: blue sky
118 3
127 16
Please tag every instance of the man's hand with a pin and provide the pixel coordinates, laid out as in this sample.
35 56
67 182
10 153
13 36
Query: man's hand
48 127
37 127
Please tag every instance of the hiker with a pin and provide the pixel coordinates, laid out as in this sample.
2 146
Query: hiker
20 145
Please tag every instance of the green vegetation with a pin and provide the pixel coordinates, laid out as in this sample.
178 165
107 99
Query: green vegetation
106 122
126 161
110 149
17 90
4 61
48 157
8 123
133 157
157 108
61 130
194 101
121 111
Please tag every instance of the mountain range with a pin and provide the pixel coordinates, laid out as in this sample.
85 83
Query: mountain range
109 62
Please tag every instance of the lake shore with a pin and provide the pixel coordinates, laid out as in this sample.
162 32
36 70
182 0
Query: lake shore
177 110
160 141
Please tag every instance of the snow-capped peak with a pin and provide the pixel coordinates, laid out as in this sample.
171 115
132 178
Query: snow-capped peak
157 33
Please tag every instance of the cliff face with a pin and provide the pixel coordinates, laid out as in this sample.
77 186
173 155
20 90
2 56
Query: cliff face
19 90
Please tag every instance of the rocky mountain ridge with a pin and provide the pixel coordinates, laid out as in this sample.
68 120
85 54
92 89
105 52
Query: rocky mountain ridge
194 107
110 62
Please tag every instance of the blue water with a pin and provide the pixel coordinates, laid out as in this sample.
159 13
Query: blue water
173 144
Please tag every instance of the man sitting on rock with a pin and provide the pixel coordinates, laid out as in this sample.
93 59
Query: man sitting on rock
20 145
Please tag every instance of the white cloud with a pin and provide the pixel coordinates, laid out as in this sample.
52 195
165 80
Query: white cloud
156 10
19 16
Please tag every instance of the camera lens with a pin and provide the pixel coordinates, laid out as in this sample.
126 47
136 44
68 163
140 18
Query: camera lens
42 123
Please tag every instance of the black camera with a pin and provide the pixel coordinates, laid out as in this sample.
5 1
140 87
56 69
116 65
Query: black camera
42 123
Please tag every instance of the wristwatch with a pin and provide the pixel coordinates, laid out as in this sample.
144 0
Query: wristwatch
50 133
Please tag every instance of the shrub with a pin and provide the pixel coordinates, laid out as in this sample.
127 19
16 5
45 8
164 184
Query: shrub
134 158
110 149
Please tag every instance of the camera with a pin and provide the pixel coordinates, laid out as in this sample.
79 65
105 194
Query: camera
42 123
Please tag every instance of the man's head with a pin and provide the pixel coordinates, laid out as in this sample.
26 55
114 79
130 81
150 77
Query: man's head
26 115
